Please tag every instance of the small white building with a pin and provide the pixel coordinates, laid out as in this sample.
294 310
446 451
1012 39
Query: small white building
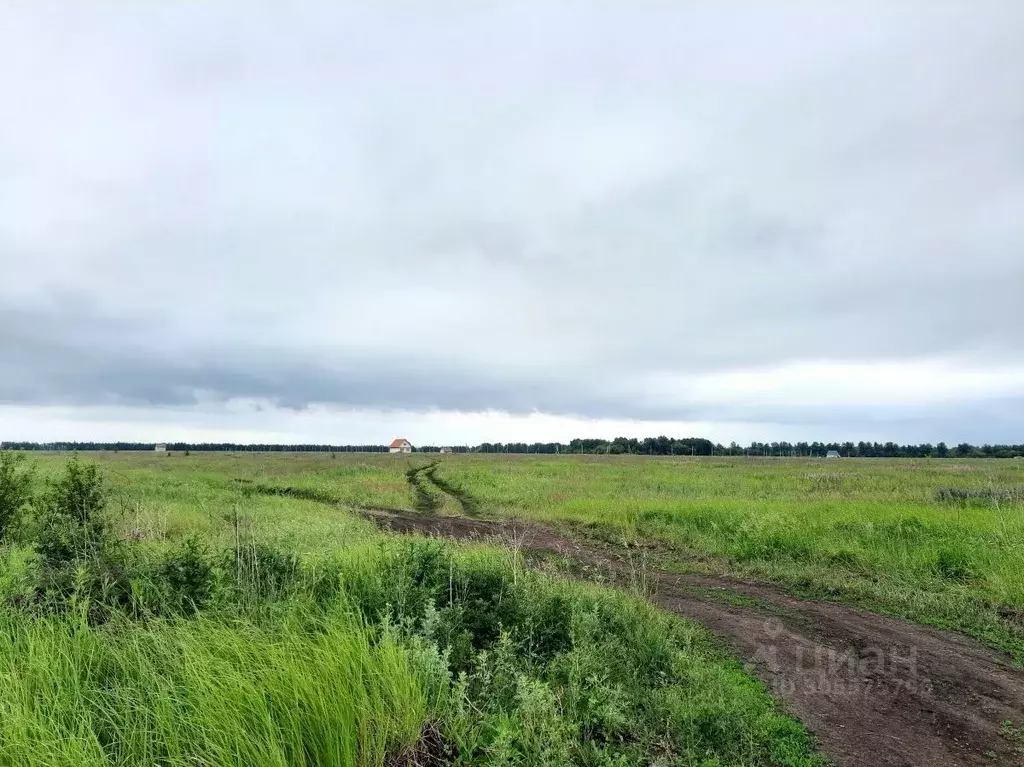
833 454
160 447
400 446
446 450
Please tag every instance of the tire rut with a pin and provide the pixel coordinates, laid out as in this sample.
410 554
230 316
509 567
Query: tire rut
423 500
470 506
875 690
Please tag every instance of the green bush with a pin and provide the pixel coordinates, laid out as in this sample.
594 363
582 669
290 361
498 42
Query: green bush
69 521
187 577
83 565
15 488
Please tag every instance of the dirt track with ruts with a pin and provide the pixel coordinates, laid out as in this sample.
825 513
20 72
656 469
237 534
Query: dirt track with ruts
876 691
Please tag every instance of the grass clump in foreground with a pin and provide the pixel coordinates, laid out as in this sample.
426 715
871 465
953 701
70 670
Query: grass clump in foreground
204 691
390 652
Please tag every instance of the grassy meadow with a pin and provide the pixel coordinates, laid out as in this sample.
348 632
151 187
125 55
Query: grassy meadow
940 541
214 610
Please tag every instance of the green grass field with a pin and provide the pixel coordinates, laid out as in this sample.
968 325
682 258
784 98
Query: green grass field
241 614
937 541
194 613
887 534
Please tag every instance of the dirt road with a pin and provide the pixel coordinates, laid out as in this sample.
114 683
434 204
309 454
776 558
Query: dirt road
875 690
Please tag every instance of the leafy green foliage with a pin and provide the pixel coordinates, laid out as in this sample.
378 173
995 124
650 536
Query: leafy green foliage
540 671
187 576
70 524
83 564
15 485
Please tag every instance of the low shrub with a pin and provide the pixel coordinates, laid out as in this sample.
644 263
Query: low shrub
68 522
187 577
15 487
83 566
541 671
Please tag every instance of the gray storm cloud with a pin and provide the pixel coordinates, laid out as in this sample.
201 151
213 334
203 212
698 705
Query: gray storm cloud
520 209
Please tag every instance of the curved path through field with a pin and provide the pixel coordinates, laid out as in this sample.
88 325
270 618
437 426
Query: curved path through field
876 691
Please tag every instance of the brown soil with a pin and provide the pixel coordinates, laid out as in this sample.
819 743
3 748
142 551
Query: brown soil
876 691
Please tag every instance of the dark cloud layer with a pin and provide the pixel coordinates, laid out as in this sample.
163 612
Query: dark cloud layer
572 211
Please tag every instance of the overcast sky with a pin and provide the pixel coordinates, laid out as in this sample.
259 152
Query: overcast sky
347 222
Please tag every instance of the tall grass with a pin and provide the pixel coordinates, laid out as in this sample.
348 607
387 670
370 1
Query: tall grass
202 692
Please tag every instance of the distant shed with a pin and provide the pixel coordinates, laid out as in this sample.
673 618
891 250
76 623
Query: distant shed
400 446
833 454
160 447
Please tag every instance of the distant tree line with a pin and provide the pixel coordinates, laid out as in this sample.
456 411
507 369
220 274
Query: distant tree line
619 446
705 447
875 450
213 447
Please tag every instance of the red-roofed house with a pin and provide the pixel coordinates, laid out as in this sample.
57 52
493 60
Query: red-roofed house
400 446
